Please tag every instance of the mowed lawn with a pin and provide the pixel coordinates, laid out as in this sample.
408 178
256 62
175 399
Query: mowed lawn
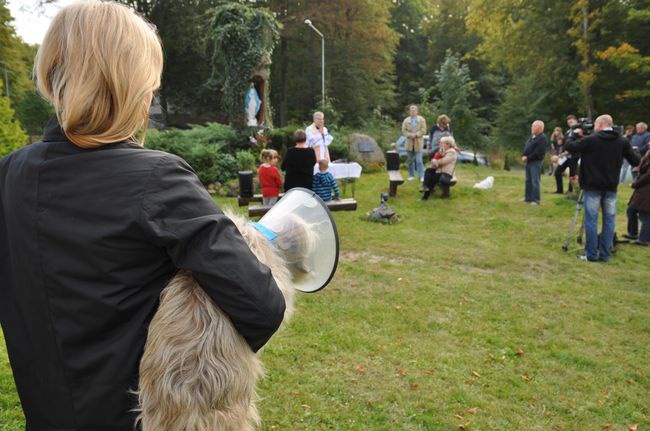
465 315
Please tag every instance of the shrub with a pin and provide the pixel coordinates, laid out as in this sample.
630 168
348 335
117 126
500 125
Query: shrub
246 161
339 148
203 147
12 135
226 168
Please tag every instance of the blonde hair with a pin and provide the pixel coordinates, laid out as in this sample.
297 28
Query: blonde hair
99 65
268 154
443 120
448 140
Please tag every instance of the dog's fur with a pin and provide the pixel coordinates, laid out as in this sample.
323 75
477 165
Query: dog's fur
197 373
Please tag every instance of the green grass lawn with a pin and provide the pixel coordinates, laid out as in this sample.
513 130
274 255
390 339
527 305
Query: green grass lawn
466 314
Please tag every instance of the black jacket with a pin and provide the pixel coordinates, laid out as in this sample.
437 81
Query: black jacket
602 157
88 239
536 147
298 164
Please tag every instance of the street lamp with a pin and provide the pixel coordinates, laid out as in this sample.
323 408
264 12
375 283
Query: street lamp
309 23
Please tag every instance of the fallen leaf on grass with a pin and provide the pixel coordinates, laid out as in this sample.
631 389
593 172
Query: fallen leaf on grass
306 406
459 417
295 393
414 385
473 410
525 378
632 427
398 307
400 373
464 426
360 368
519 352
470 381
607 426
475 373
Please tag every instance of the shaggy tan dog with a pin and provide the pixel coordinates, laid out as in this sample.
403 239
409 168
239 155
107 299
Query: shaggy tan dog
197 373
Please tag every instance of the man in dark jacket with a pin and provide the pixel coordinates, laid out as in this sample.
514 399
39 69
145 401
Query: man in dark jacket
602 157
533 157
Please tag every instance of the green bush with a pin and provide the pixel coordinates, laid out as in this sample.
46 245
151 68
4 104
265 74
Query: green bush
203 147
226 168
246 161
282 138
12 135
339 148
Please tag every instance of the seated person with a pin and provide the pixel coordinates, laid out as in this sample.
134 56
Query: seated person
324 182
442 169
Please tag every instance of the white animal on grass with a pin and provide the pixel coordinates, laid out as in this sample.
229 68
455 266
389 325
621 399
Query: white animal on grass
485 184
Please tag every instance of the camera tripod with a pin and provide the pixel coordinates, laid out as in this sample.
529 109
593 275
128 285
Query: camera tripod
579 206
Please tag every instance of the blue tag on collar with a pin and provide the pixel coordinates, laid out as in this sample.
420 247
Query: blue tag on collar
268 233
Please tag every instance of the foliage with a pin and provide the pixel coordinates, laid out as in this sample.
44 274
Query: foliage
523 103
226 168
456 90
359 49
243 37
182 26
246 161
203 147
12 136
34 112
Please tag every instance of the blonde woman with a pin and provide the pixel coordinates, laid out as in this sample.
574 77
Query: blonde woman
442 170
93 226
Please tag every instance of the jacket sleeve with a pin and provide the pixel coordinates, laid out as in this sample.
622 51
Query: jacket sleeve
577 146
629 154
448 158
422 130
642 181
539 149
180 216
405 131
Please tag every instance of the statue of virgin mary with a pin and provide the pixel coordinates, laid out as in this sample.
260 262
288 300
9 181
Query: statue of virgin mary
253 104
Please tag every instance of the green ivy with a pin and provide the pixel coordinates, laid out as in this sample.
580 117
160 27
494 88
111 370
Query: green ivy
242 36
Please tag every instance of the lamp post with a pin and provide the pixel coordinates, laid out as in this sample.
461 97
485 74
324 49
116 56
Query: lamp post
309 23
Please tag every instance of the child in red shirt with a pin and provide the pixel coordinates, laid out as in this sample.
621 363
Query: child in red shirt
269 176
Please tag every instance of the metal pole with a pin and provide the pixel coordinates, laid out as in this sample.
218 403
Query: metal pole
322 37
323 73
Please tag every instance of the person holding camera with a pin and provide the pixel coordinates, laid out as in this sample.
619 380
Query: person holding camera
566 160
602 157
533 156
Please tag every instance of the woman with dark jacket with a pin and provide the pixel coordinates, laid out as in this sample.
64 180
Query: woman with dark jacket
639 206
298 163
93 227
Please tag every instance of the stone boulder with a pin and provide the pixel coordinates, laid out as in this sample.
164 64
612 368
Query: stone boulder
365 150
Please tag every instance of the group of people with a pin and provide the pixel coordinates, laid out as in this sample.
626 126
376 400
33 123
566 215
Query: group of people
441 147
601 156
298 165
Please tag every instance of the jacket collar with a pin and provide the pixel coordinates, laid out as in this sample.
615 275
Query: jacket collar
52 132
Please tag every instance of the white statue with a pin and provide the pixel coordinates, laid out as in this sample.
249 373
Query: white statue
253 104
